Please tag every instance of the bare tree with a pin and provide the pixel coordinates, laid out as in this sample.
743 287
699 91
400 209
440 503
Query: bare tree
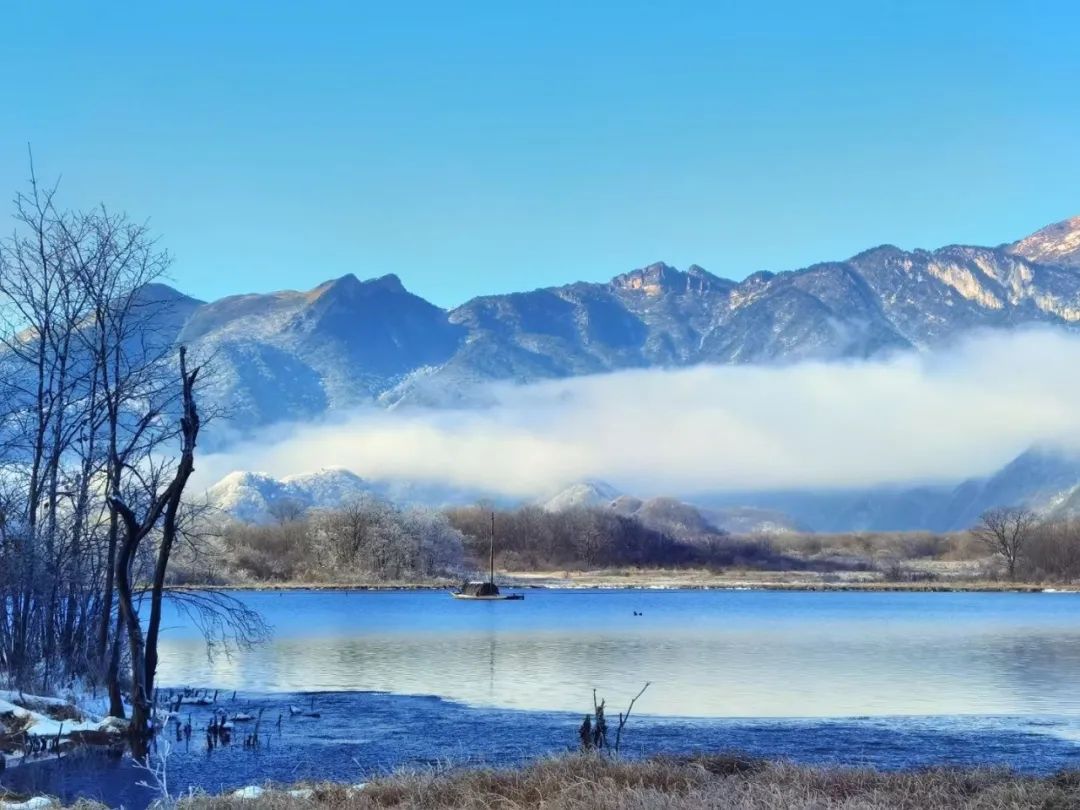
128 356
286 510
625 716
163 507
40 309
89 409
84 396
1054 551
1006 531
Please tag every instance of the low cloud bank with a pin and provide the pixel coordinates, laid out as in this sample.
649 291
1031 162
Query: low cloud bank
908 418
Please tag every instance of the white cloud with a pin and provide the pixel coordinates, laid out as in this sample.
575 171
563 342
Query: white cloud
907 418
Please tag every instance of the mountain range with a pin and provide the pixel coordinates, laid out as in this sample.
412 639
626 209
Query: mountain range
291 355
1044 480
298 355
250 497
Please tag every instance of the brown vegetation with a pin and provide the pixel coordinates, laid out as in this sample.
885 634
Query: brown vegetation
369 541
530 537
361 541
685 783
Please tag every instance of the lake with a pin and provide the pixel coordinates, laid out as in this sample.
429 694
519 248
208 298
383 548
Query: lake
401 678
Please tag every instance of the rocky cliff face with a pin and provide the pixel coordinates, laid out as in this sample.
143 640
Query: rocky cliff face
1055 244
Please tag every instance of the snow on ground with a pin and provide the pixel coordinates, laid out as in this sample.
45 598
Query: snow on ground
24 717
36 803
256 792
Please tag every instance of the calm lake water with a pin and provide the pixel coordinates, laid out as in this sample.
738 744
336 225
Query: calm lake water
707 653
401 678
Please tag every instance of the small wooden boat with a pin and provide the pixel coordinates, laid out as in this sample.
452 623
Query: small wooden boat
481 591
486 591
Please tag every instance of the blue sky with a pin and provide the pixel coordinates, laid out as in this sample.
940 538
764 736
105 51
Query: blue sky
489 147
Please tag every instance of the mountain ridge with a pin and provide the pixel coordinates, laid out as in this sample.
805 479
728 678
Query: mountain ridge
294 355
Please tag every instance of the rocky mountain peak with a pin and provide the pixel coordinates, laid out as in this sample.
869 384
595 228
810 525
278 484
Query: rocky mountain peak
388 283
659 278
1055 244
295 355
349 286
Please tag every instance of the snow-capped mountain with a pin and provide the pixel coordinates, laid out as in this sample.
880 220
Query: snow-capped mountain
290 355
582 493
253 497
1044 480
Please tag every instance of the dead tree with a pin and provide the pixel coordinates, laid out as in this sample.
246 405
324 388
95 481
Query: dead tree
599 724
1006 531
163 507
593 729
623 718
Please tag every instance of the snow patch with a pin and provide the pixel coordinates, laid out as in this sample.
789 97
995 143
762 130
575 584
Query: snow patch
36 803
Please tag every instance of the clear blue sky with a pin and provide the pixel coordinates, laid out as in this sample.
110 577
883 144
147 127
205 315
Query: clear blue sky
488 147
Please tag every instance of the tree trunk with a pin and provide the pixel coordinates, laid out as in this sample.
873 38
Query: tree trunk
168 536
140 699
112 677
143 651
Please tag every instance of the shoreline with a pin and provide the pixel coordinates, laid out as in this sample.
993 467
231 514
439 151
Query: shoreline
656 580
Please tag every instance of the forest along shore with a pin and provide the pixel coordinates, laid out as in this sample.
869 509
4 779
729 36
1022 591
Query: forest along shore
370 543
662 579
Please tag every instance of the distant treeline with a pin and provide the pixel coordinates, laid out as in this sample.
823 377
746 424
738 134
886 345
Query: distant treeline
363 539
371 540
532 538
1043 550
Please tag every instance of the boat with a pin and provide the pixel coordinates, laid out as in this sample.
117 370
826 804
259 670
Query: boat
486 591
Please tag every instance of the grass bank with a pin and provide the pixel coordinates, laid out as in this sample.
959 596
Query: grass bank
651 578
732 783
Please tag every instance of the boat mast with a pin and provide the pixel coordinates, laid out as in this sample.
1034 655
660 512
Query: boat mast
492 550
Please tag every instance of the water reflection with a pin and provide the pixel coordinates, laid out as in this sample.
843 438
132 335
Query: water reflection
709 654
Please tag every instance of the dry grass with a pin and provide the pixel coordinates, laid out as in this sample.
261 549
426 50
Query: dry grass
691 578
731 783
